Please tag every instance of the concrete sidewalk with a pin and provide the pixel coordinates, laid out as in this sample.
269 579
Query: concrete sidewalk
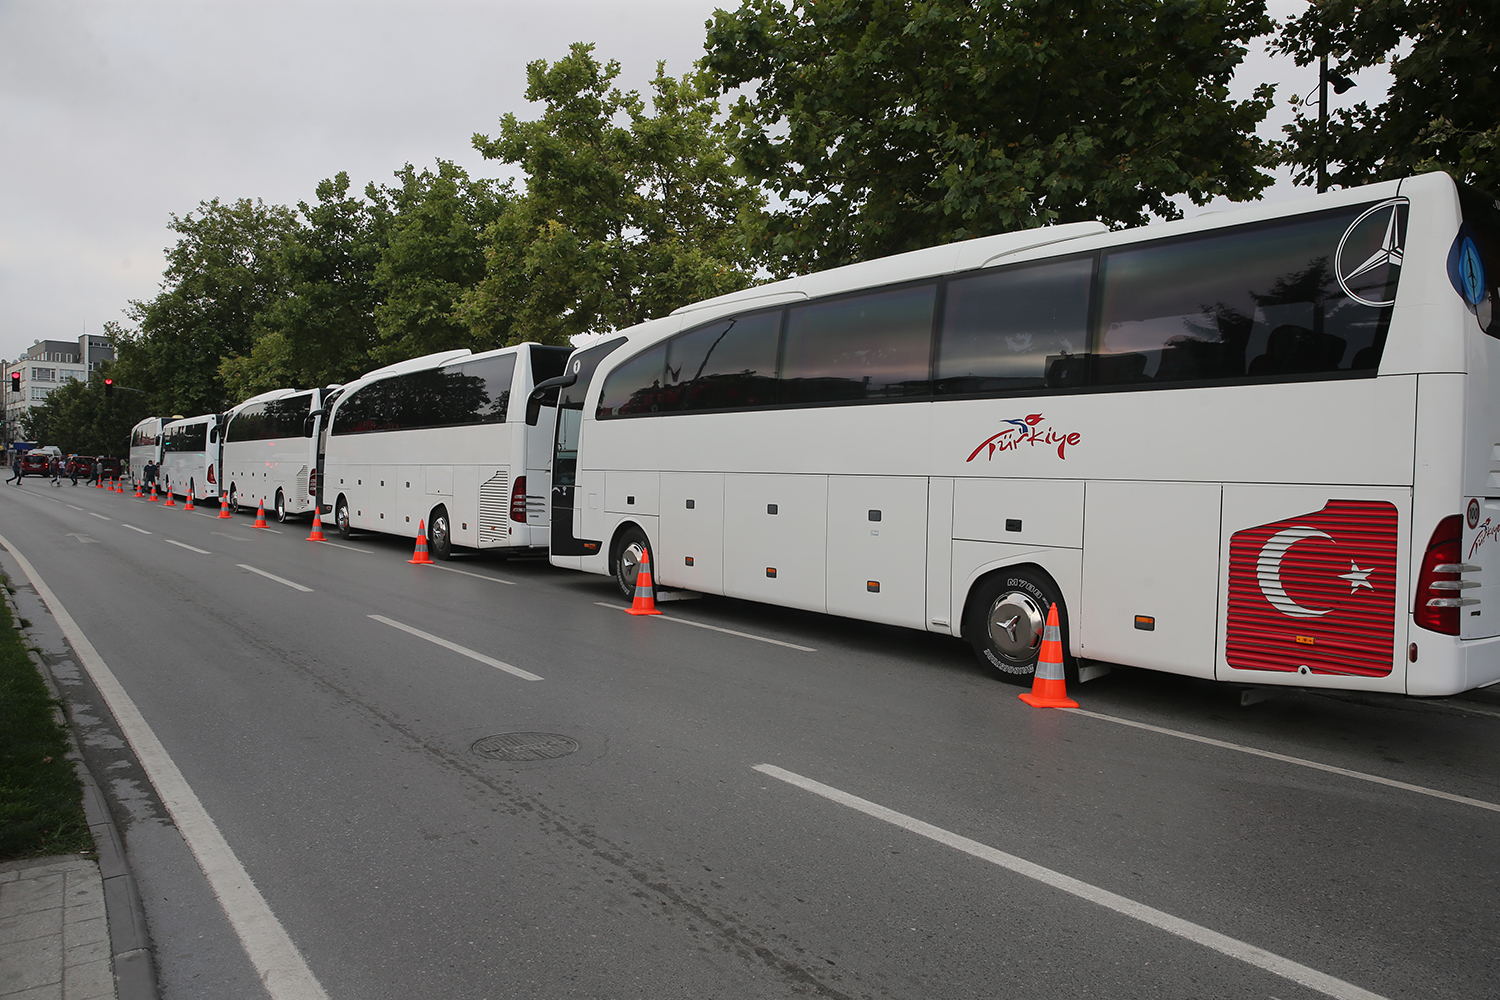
54 938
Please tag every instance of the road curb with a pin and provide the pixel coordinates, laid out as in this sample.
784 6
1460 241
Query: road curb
129 937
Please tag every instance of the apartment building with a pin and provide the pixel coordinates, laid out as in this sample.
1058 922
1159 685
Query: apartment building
45 366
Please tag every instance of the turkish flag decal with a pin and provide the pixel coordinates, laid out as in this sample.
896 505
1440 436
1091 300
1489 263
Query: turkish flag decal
1317 590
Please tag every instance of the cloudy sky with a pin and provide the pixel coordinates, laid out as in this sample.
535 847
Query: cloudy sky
116 114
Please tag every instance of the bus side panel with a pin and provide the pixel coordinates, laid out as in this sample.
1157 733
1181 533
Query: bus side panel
1315 585
941 615
691 548
1019 511
776 539
1151 575
877 548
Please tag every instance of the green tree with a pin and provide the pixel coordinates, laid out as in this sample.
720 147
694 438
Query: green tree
322 329
430 227
627 214
221 276
889 125
1440 110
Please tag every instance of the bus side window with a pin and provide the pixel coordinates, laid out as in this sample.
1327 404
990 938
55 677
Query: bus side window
872 345
635 386
729 364
1020 327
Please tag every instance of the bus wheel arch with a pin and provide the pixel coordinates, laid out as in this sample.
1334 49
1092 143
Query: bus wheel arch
341 517
1003 620
625 551
439 533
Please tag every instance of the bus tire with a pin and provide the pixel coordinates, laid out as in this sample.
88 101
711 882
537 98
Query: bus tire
439 533
341 518
234 500
280 507
626 558
1006 616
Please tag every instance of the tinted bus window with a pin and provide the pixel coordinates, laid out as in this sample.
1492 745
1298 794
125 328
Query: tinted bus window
635 386
1261 300
729 364
480 390
189 437
873 345
1005 329
1474 268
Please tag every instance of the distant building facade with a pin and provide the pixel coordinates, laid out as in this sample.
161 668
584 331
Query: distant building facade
45 366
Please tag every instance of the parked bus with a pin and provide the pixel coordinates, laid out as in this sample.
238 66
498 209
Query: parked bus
437 440
190 457
271 450
145 446
1257 446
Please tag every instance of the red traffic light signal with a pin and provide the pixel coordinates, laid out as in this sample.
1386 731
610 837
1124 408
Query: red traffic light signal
15 381
109 387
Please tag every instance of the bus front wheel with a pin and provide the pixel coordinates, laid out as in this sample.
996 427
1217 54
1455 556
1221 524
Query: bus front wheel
341 518
280 507
629 549
234 500
1007 617
439 534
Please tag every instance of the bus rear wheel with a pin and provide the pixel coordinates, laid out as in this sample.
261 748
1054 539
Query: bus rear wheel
341 518
1006 619
629 549
234 500
280 507
439 534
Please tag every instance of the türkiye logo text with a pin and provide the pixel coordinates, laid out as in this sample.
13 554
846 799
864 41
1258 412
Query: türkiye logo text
1027 430
1315 593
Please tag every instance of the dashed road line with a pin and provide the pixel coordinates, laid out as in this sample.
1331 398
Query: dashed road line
716 628
1286 759
477 576
278 579
74 506
346 548
190 548
1197 934
99 516
232 538
134 528
525 675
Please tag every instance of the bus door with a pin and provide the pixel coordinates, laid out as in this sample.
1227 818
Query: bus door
319 432
572 387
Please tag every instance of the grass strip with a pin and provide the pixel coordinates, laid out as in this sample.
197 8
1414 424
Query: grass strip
41 799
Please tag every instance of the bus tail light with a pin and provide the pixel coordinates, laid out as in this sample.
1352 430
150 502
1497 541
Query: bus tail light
312 482
1440 585
518 500
211 478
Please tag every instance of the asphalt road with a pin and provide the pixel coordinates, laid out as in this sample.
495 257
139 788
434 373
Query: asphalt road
880 850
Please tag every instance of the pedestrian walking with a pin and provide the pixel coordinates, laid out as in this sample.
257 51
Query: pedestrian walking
55 466
73 469
15 469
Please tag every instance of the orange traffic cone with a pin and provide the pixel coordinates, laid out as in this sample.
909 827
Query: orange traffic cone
153 498
421 556
317 532
224 505
645 593
260 515
168 491
138 492
1049 689
189 504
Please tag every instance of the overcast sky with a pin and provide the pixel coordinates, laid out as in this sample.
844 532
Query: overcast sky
116 114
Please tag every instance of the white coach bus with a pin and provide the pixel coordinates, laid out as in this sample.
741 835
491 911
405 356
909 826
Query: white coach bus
443 440
190 456
1261 446
145 446
271 450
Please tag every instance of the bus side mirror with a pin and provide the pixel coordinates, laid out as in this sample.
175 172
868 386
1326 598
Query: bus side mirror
545 394
307 423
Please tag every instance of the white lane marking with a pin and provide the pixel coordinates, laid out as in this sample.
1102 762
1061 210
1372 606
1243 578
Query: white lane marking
274 531
65 503
92 514
525 675
190 548
281 966
273 576
477 576
1285 759
1466 707
716 628
1223 944
232 538
350 548
134 528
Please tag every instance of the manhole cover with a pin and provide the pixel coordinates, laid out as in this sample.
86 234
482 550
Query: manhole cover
524 746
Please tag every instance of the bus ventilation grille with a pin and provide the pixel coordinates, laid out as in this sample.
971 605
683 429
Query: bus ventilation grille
302 482
494 509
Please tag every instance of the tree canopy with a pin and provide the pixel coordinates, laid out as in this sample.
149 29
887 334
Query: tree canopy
885 125
1440 110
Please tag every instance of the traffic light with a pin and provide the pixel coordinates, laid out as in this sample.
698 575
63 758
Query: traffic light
109 387
15 381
